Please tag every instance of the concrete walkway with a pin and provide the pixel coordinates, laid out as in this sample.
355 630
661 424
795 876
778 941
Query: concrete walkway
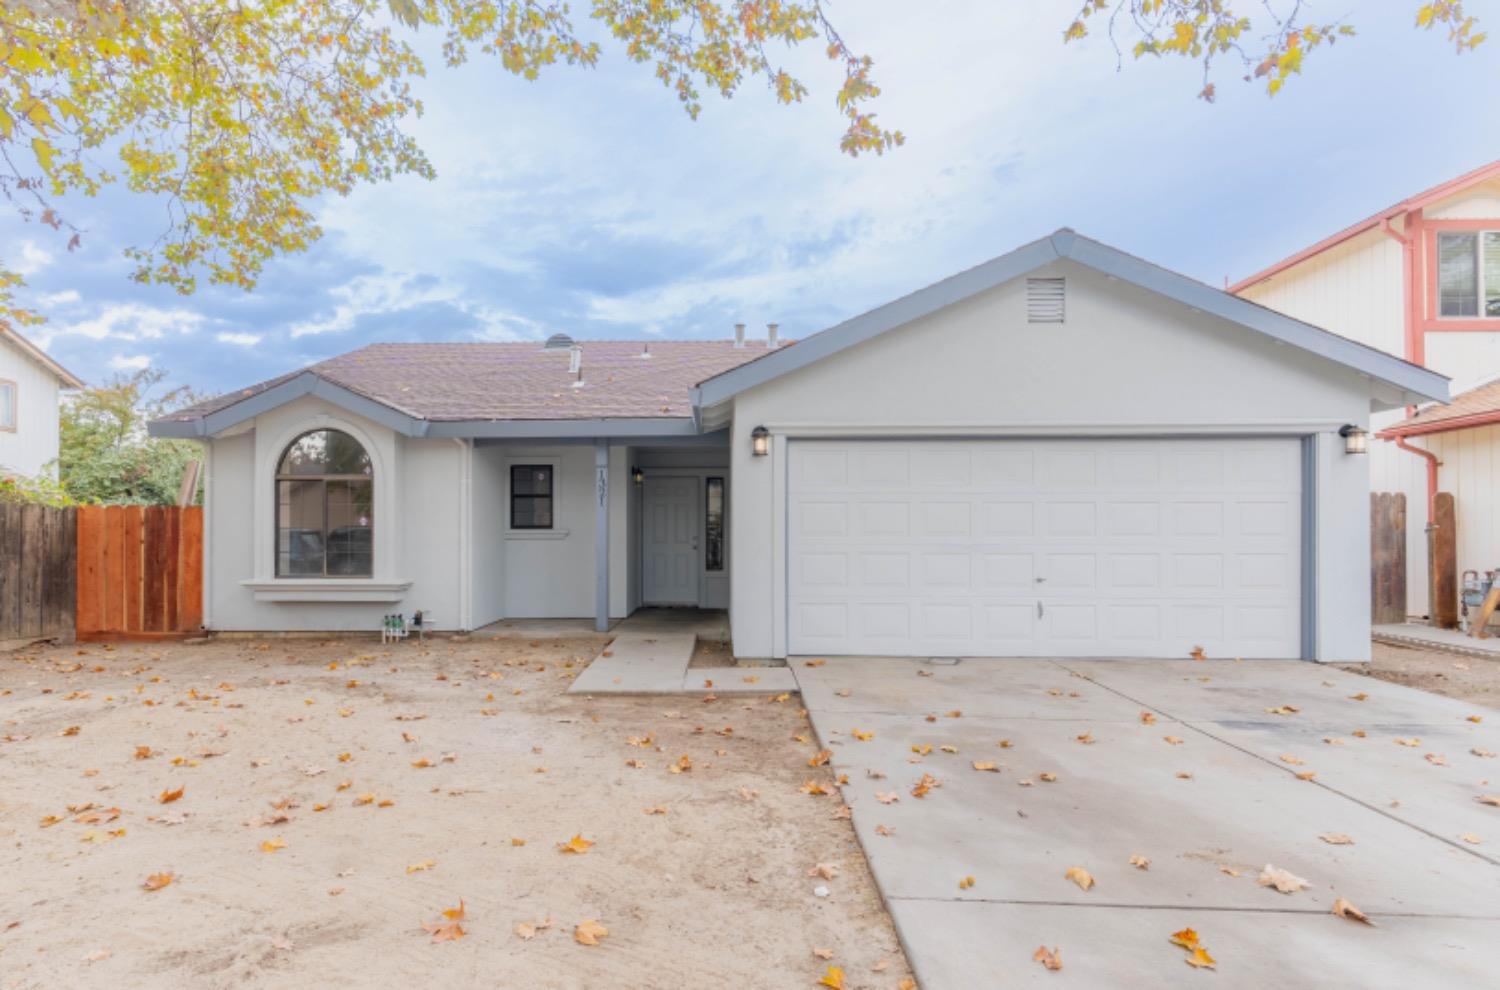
1209 812
1451 640
652 649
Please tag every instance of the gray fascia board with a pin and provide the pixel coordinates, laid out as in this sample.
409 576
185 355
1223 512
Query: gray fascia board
1099 257
859 329
306 383
564 428
1190 292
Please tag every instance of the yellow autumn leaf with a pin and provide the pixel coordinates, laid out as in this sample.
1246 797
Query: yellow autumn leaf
157 881
589 932
578 844
1080 876
272 845
834 978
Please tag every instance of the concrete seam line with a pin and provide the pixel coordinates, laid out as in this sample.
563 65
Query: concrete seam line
1191 907
1195 727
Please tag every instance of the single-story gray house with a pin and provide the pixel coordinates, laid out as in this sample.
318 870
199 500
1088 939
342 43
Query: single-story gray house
1066 451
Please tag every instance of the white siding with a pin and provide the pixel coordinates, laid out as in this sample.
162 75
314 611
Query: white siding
31 448
1126 362
1353 290
1471 471
1480 202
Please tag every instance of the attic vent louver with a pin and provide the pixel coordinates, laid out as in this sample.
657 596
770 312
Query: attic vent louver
1046 300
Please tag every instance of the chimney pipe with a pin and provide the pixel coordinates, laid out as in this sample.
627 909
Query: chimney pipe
739 335
575 359
771 329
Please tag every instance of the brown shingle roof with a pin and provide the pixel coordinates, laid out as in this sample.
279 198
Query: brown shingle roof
1476 407
519 381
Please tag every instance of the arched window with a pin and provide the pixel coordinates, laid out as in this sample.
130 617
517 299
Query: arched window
324 507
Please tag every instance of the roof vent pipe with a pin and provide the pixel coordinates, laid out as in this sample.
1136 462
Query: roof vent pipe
739 335
771 329
575 359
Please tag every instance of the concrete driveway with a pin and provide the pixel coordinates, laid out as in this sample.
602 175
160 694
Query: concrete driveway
1209 812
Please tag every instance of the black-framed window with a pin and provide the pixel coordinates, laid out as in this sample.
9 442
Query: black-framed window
713 524
325 507
531 496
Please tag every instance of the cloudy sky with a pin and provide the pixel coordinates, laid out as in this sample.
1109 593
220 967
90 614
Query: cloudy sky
588 203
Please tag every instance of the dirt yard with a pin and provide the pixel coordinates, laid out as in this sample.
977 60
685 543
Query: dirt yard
1453 675
311 805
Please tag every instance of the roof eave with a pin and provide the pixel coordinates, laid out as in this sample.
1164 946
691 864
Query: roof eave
41 357
1448 425
1420 200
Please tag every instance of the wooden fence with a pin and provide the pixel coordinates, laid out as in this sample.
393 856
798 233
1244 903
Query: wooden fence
140 571
37 547
1442 562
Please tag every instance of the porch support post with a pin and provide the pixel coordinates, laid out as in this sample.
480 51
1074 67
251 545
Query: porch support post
601 535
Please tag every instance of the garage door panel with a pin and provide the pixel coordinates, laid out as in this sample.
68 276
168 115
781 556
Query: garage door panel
1045 547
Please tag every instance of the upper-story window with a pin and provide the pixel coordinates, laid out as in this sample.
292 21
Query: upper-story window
324 507
1469 274
7 405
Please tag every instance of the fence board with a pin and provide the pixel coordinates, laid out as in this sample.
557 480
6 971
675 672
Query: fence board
190 574
33 567
171 551
90 549
1387 557
10 572
114 567
1443 554
134 550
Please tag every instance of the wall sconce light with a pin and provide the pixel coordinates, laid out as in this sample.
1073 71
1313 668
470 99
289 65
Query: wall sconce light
637 475
760 441
1356 441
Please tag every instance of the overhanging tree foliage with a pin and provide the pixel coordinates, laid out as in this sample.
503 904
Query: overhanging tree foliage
237 115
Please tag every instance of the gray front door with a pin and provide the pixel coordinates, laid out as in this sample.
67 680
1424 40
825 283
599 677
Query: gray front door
669 540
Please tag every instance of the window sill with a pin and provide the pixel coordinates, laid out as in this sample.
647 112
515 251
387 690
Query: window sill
291 590
536 534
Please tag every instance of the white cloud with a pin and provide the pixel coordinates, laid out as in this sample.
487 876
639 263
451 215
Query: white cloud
130 321
66 297
129 362
32 259
238 339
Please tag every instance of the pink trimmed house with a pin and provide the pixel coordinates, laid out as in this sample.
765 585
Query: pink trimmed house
1420 280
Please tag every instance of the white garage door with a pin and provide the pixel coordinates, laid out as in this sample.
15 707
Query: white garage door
1128 548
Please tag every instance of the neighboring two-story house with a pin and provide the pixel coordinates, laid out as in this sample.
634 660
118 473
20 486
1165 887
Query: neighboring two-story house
1420 280
29 385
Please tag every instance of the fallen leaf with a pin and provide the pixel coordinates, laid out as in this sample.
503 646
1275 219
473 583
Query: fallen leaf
1147 718
814 788
1471 839
656 810
1140 862
820 758
167 797
1408 742
1358 697
1050 959
144 752
1087 738
922 749
1200 959
1493 799
1483 753
528 929
1436 759
1283 710
1197 653
862 736
1229 871
966 883
884 830
924 786
1187 938
1283 880
990 767
1080 876
824 954
578 844
271 845
1336 839
1173 740
1047 777
157 881
683 765
834 978
589 932
1288 758
748 794
1344 909
888 797
425 864
948 749
825 870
